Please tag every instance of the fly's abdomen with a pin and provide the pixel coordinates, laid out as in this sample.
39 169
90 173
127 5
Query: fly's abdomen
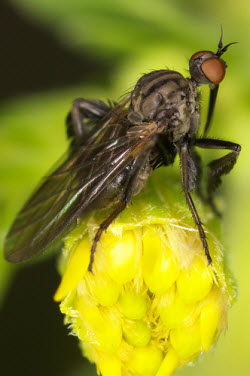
156 93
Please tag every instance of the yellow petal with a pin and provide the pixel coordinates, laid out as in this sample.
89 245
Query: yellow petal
103 288
76 269
136 333
132 305
169 363
121 252
110 366
209 321
174 311
195 283
100 327
145 361
159 269
186 341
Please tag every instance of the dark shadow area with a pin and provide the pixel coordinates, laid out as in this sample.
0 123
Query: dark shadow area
34 340
32 59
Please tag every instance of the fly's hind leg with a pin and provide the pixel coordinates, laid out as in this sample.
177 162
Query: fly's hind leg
103 227
127 194
83 112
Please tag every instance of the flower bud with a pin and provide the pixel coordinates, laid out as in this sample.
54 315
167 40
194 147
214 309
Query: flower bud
153 304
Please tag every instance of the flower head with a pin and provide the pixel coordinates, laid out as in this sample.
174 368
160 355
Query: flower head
153 304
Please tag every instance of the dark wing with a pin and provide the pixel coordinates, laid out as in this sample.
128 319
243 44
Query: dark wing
74 185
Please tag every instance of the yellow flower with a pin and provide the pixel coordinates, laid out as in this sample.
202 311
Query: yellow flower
153 303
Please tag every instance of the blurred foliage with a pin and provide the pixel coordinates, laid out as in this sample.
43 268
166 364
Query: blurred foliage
135 37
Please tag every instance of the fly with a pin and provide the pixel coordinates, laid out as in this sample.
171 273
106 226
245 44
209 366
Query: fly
115 147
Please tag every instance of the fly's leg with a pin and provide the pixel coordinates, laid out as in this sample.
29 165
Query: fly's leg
103 227
198 163
187 187
128 192
84 111
220 166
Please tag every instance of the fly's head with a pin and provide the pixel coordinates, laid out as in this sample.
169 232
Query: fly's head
207 67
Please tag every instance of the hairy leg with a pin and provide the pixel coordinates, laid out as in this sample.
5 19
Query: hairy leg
84 111
220 166
198 163
187 178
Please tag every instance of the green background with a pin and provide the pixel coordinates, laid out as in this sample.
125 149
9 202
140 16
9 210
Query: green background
114 42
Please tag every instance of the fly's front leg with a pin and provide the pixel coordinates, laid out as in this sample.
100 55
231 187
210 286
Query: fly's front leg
187 187
220 166
84 111
127 194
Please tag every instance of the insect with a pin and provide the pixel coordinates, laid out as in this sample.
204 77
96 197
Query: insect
115 147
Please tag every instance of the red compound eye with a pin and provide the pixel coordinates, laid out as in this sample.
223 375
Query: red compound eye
214 69
211 66
199 53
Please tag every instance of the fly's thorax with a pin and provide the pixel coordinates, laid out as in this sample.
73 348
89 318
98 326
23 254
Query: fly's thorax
164 96
186 120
